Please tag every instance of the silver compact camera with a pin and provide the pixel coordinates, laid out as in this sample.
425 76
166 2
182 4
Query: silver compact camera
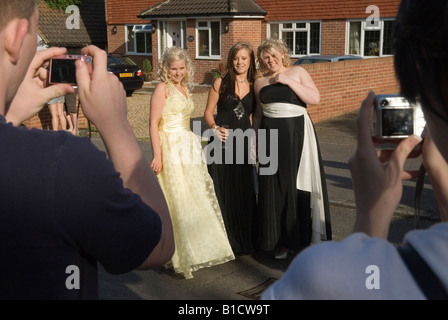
394 117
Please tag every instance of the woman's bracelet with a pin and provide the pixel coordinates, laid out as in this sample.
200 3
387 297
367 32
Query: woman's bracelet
213 126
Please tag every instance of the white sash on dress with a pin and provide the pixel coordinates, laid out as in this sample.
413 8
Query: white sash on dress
308 175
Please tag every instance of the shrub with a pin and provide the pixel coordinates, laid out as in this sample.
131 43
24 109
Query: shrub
147 69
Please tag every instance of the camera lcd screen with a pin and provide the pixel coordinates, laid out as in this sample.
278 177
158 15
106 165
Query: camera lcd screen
63 71
397 122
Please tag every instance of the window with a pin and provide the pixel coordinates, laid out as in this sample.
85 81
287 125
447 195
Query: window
302 38
138 39
209 39
368 42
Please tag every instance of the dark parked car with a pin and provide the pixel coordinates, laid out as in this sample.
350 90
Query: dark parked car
328 58
127 71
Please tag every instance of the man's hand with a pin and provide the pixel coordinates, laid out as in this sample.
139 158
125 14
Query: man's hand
33 93
102 95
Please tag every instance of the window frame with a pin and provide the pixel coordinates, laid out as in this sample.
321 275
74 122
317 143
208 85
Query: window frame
210 34
362 36
134 27
282 28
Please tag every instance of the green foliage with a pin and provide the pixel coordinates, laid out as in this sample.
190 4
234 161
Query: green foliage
62 4
147 66
147 70
220 71
217 74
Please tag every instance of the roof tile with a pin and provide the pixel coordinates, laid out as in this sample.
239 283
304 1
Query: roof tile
202 7
52 25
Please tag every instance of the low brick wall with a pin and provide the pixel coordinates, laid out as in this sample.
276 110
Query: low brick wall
344 85
42 120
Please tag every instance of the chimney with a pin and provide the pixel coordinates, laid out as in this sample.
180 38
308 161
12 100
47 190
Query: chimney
233 6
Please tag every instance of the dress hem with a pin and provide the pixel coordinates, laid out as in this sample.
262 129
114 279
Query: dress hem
188 274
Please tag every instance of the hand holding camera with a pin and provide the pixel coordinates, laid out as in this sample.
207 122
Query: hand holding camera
394 118
33 92
102 95
377 179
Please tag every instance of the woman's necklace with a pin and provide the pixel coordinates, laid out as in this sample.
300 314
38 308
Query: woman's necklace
242 81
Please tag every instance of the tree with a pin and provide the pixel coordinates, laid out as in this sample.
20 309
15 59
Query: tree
62 4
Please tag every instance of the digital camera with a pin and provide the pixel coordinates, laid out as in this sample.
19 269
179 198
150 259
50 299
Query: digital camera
63 70
394 117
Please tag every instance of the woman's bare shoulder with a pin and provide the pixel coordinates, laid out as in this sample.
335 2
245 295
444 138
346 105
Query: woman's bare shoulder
217 84
298 70
161 86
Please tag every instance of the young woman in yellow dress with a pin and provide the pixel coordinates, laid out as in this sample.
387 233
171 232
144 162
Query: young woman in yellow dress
199 231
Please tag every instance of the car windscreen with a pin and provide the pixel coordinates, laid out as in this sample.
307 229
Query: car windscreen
117 61
306 61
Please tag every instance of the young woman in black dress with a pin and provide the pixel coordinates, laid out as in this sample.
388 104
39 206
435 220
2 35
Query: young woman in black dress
293 202
232 96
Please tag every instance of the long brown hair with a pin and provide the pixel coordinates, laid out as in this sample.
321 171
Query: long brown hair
229 78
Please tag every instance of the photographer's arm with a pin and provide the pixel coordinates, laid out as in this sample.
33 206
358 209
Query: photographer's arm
377 186
32 94
103 101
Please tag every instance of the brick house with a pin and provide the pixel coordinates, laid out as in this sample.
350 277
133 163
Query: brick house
207 29
121 19
57 29
53 32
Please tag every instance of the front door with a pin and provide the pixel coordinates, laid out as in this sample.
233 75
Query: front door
173 34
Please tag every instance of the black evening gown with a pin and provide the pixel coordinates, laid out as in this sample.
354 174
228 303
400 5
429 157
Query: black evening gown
285 214
234 182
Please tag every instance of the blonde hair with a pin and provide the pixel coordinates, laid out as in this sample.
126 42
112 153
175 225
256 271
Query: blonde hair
171 55
268 46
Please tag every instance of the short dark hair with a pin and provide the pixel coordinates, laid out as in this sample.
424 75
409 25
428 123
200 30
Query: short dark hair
421 53
10 9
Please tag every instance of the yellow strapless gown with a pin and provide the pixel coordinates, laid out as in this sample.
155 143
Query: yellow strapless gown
199 231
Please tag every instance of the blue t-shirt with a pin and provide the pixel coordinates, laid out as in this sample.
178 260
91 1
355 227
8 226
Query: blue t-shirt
63 208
